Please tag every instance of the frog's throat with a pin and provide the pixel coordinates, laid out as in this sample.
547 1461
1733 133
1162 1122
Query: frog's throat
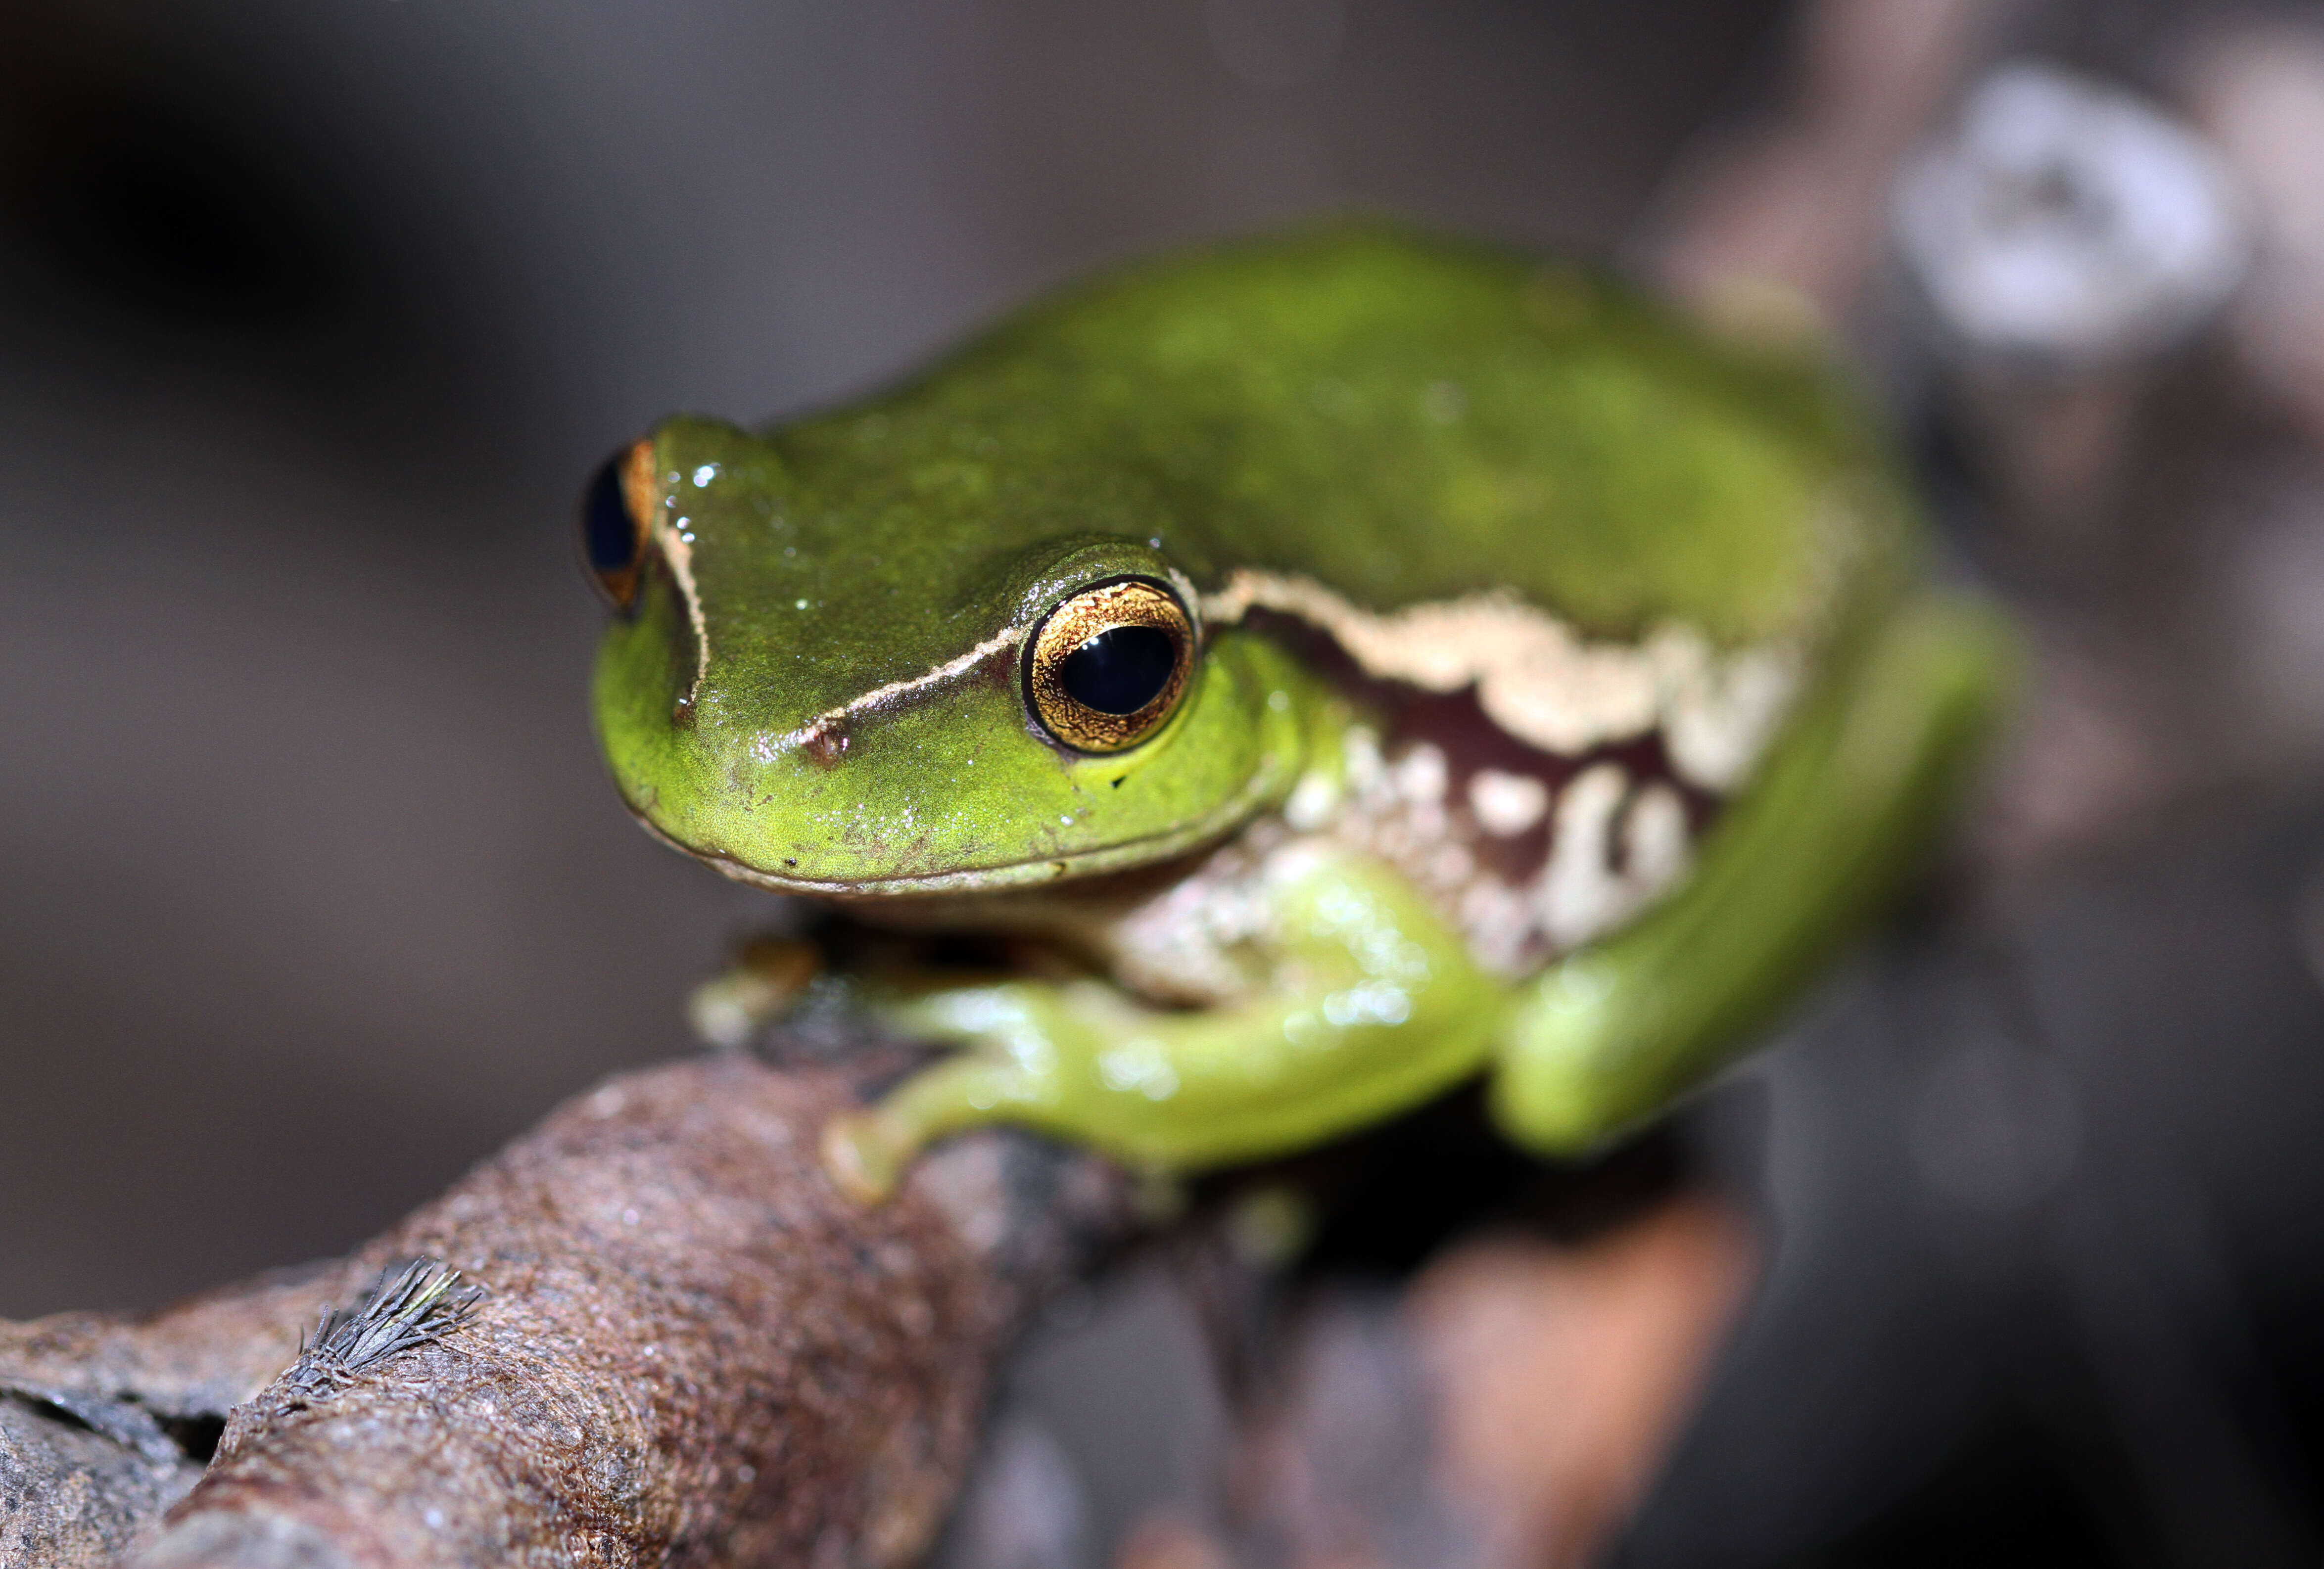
1541 681
1264 789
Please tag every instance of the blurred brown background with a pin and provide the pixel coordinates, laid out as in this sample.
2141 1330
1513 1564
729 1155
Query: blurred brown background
314 316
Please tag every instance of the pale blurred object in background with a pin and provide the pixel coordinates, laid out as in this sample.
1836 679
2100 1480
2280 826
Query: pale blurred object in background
2060 237
2065 221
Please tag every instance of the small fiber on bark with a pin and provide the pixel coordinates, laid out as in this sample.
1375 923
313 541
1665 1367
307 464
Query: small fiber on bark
649 1331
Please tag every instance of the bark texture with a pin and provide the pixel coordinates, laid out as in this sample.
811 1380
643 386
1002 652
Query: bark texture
688 1349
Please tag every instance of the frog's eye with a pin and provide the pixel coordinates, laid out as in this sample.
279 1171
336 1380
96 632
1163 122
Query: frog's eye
1109 664
616 512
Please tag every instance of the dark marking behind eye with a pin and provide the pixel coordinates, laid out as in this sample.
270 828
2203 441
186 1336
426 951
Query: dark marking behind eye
1121 670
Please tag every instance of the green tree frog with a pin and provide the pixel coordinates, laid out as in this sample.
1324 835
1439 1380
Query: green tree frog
1361 661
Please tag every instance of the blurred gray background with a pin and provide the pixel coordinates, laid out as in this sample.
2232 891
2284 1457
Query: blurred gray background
313 319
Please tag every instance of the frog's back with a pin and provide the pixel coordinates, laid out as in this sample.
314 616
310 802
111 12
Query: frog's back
1408 420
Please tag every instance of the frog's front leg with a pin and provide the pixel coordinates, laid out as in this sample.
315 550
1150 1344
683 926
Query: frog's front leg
1844 808
1370 1004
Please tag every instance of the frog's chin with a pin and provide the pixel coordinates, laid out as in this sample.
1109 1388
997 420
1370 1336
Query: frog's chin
1010 874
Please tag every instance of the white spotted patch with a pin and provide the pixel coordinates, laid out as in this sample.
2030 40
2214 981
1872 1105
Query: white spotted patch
1609 844
1190 944
1615 847
1580 888
1420 776
1655 841
1507 805
1717 714
1314 801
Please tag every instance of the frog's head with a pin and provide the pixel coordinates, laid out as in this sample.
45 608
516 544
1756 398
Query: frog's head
895 677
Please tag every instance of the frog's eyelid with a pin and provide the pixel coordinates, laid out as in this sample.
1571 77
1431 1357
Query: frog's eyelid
1190 599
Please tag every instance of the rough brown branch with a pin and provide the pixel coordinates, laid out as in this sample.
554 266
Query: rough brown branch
690 1349
671 1341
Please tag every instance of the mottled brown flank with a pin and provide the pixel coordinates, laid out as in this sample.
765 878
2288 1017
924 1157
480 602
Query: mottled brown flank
1471 743
1097 924
1458 726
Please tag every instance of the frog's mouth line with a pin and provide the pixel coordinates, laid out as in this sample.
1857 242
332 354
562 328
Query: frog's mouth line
1032 872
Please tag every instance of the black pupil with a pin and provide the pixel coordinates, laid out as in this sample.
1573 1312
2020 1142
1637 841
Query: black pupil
1120 669
608 536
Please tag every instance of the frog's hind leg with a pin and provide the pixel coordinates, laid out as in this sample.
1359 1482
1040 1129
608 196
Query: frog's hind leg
1841 815
1373 1005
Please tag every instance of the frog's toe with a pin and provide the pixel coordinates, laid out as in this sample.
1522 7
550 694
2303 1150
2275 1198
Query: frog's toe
869 1152
866 1154
767 977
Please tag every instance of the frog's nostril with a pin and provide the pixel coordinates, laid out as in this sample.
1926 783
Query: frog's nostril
612 531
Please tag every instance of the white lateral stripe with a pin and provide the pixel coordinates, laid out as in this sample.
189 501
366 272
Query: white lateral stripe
1008 638
1542 682
681 557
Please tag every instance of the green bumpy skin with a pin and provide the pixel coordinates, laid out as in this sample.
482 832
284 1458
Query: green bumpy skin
1705 707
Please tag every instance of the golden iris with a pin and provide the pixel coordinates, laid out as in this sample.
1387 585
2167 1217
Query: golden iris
1109 664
